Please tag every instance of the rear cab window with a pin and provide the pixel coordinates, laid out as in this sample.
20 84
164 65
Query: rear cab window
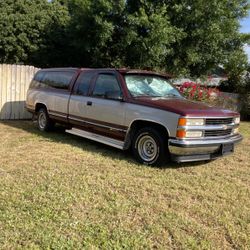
52 79
35 83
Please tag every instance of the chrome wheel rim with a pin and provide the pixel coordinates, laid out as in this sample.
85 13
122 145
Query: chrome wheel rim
42 120
147 148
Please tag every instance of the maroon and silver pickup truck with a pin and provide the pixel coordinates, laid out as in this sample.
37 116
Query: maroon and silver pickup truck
132 109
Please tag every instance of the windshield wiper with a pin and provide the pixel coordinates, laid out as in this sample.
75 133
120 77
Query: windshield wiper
167 95
143 95
172 95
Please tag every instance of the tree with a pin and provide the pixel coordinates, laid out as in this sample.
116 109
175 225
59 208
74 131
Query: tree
93 31
180 36
149 35
26 29
210 33
245 37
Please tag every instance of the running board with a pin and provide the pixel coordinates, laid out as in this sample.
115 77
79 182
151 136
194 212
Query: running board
96 137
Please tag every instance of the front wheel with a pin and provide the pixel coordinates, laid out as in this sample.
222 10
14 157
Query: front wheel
150 147
43 120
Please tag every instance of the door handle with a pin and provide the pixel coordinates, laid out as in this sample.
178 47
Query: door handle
89 103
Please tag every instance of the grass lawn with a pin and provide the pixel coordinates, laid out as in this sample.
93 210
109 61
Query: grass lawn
59 191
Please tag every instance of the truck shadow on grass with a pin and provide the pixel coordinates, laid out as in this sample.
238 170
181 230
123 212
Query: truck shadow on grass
59 135
14 110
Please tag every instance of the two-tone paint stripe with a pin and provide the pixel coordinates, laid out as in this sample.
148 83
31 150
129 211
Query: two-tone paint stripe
92 122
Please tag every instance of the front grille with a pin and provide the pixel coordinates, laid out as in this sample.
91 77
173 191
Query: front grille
210 133
219 121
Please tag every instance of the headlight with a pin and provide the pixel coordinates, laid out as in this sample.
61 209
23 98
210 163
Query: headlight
191 122
237 120
194 134
236 131
189 134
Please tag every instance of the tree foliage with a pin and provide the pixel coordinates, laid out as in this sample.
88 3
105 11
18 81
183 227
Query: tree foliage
26 29
211 31
178 36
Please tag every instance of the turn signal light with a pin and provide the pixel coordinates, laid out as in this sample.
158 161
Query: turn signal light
182 122
181 134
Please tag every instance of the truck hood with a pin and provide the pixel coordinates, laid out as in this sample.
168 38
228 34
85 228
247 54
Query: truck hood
183 107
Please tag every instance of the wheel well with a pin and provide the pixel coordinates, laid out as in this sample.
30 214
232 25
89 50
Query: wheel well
39 106
139 124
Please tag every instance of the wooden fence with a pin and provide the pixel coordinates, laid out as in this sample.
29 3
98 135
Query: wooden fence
14 83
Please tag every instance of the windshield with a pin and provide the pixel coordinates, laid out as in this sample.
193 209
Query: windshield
148 85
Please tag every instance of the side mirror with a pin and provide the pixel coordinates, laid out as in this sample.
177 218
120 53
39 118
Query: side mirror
114 95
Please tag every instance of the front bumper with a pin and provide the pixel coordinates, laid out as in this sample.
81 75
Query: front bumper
200 150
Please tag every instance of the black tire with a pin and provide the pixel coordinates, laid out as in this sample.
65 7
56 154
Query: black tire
150 147
43 121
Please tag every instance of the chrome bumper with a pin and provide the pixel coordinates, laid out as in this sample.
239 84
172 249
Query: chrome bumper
198 150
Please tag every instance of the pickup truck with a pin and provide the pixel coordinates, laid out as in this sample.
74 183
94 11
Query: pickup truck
133 109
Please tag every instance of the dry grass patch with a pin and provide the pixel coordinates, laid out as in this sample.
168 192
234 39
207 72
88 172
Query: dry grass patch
61 191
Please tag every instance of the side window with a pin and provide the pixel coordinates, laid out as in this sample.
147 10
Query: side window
83 83
106 83
36 82
58 80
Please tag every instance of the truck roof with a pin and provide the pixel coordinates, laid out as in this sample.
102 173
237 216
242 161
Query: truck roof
120 70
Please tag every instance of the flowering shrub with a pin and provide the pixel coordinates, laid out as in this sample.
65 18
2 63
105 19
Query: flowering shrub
212 96
196 92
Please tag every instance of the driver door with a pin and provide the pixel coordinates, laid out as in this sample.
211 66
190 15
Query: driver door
105 113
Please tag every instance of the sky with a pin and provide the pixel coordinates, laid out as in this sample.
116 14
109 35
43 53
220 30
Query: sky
245 28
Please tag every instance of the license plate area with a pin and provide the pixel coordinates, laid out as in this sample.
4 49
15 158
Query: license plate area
227 148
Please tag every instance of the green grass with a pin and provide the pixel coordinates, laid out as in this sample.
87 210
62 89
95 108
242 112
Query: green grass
59 191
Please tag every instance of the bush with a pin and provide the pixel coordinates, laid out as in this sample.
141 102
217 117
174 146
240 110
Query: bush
196 92
243 88
211 96
245 96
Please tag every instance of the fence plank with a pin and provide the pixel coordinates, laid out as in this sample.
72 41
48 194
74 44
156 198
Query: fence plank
22 93
1 72
13 92
14 83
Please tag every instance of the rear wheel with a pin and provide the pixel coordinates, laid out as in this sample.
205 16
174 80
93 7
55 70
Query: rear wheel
43 120
150 147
